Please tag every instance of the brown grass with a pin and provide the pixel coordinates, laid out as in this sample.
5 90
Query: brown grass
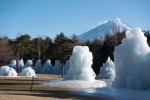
24 83
18 88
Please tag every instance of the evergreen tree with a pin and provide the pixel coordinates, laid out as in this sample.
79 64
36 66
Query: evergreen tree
75 39
22 47
46 46
62 49
147 34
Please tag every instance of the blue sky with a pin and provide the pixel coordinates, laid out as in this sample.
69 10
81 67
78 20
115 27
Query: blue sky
50 17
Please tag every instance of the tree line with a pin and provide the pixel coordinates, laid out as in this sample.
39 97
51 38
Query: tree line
26 48
60 48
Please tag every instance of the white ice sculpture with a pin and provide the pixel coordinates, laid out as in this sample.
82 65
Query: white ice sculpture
7 71
47 67
80 65
132 60
28 71
38 66
107 71
29 63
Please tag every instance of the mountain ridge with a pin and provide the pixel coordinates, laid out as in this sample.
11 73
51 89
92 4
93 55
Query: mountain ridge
106 28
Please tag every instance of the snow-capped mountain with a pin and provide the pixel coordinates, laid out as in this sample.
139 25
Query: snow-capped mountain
105 28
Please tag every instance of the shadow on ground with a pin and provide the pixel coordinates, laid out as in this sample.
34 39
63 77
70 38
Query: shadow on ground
55 94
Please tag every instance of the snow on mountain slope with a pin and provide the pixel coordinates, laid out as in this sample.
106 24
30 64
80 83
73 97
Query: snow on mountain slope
105 28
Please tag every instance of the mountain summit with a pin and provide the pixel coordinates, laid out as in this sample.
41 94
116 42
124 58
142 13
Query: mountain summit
105 28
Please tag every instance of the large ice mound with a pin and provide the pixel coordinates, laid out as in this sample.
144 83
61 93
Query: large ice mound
29 63
107 71
7 71
80 65
47 67
38 66
21 63
132 59
58 67
28 71
13 63
66 67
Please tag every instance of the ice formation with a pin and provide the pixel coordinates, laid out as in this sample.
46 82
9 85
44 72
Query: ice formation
38 66
12 63
29 63
80 65
66 67
107 71
47 67
28 71
7 71
132 59
21 63
58 68
57 63
77 85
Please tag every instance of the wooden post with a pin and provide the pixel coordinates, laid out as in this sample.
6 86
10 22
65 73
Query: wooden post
32 83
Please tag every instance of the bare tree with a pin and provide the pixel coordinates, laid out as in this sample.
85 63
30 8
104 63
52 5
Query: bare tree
6 53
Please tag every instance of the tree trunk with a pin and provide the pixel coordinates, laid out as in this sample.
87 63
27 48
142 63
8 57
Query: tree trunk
39 51
62 73
44 53
17 62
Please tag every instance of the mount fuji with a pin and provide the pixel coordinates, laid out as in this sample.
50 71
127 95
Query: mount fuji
106 28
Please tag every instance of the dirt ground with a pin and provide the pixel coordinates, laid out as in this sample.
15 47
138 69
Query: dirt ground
45 95
20 89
